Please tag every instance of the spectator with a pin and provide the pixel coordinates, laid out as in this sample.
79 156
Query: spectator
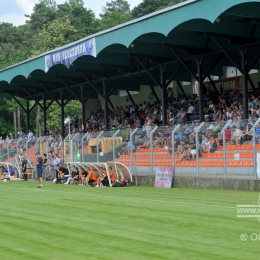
236 135
213 146
74 176
24 168
129 146
190 111
257 132
112 175
92 178
60 173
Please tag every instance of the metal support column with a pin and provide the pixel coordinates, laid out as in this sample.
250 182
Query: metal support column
254 147
15 125
83 104
106 111
200 81
44 115
164 96
82 146
181 88
130 97
245 82
27 115
154 93
151 148
111 104
197 147
250 81
62 114
97 144
177 127
224 146
131 152
113 139
213 84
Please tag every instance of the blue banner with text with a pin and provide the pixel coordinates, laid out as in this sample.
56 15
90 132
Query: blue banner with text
68 56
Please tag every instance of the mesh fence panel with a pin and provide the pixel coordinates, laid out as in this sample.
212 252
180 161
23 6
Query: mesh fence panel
239 149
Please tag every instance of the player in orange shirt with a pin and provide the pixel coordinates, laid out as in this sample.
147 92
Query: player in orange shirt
102 176
92 178
112 175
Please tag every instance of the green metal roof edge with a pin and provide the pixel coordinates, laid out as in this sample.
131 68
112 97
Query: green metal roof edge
203 9
103 32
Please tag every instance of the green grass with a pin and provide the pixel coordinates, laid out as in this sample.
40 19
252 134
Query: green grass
75 222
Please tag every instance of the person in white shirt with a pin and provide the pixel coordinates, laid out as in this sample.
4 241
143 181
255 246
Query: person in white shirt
55 161
251 108
190 111
228 113
30 134
211 106
236 135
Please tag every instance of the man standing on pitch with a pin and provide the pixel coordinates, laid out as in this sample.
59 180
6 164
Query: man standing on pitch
39 169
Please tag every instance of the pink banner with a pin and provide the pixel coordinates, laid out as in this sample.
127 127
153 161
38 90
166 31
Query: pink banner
164 177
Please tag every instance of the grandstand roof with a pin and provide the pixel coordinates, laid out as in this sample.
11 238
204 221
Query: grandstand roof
125 55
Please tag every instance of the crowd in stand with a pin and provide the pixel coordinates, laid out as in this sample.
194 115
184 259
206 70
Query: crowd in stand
184 111
181 109
218 109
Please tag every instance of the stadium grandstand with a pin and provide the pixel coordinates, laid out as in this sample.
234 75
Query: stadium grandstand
179 87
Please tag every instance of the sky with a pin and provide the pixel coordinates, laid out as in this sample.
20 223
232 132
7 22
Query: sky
13 11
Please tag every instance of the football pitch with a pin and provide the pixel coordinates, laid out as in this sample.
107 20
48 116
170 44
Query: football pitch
76 222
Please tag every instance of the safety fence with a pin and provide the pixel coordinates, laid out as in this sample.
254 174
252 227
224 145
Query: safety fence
13 150
222 148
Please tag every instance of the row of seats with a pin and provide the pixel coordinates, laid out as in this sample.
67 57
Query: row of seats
228 155
141 150
176 156
147 156
238 163
220 163
241 147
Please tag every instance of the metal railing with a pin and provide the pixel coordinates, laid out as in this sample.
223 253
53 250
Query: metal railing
221 148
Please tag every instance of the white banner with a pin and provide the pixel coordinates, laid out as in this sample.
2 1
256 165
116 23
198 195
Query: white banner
164 177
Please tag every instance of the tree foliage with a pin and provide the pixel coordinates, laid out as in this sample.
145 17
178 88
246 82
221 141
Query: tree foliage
149 6
53 35
52 25
116 6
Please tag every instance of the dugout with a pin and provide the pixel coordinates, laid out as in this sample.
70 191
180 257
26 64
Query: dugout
8 165
120 170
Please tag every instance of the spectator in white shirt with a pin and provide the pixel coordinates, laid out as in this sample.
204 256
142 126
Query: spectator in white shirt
236 135
228 113
55 161
211 106
30 134
190 111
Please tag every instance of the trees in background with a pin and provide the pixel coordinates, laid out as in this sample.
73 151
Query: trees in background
52 25
149 6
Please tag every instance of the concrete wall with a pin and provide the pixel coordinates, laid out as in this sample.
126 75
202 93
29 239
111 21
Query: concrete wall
139 98
91 104
233 72
205 183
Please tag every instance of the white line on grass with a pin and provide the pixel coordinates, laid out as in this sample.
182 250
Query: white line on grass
127 198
